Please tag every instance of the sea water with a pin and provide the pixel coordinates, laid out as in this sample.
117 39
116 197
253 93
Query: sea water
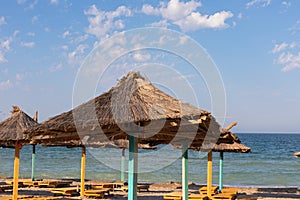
270 163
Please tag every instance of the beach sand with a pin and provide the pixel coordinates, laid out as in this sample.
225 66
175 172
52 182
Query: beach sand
158 190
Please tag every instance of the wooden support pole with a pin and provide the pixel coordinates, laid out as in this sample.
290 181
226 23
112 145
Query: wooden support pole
33 162
16 171
209 173
83 159
185 186
221 171
123 166
132 168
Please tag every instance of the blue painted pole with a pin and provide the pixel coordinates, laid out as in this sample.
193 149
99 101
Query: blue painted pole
123 166
185 184
221 171
33 162
132 168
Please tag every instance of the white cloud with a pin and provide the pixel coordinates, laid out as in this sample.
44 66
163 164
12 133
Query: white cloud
80 39
263 3
5 45
2 20
295 27
4 85
197 21
32 5
20 77
76 56
289 57
2 58
141 57
150 10
54 2
65 47
163 23
27 44
16 32
65 34
46 29
101 23
34 19
176 10
56 67
289 61
184 15
21 1
240 16
286 4
280 47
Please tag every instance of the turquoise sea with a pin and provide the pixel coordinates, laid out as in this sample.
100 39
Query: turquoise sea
271 163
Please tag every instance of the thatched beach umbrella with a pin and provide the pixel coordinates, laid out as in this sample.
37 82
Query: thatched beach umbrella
11 136
234 146
133 110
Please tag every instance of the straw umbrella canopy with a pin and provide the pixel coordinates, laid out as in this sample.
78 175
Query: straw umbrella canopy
132 110
233 144
130 106
11 129
236 147
11 136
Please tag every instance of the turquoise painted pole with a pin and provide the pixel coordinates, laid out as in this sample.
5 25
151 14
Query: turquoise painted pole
221 171
132 168
33 162
185 184
123 166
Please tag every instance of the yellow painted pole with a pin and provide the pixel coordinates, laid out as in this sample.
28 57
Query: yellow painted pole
16 171
209 173
83 158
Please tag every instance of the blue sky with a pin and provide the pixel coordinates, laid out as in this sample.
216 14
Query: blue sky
254 43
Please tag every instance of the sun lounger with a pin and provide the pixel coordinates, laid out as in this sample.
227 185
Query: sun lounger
229 190
103 185
139 188
5 187
11 182
173 196
29 183
118 185
203 190
54 183
97 192
198 197
69 191
223 196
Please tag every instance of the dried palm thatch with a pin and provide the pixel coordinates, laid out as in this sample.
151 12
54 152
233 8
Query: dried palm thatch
233 147
11 129
227 142
134 106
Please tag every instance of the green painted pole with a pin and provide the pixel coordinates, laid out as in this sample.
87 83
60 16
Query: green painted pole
185 184
33 162
221 171
123 166
132 168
